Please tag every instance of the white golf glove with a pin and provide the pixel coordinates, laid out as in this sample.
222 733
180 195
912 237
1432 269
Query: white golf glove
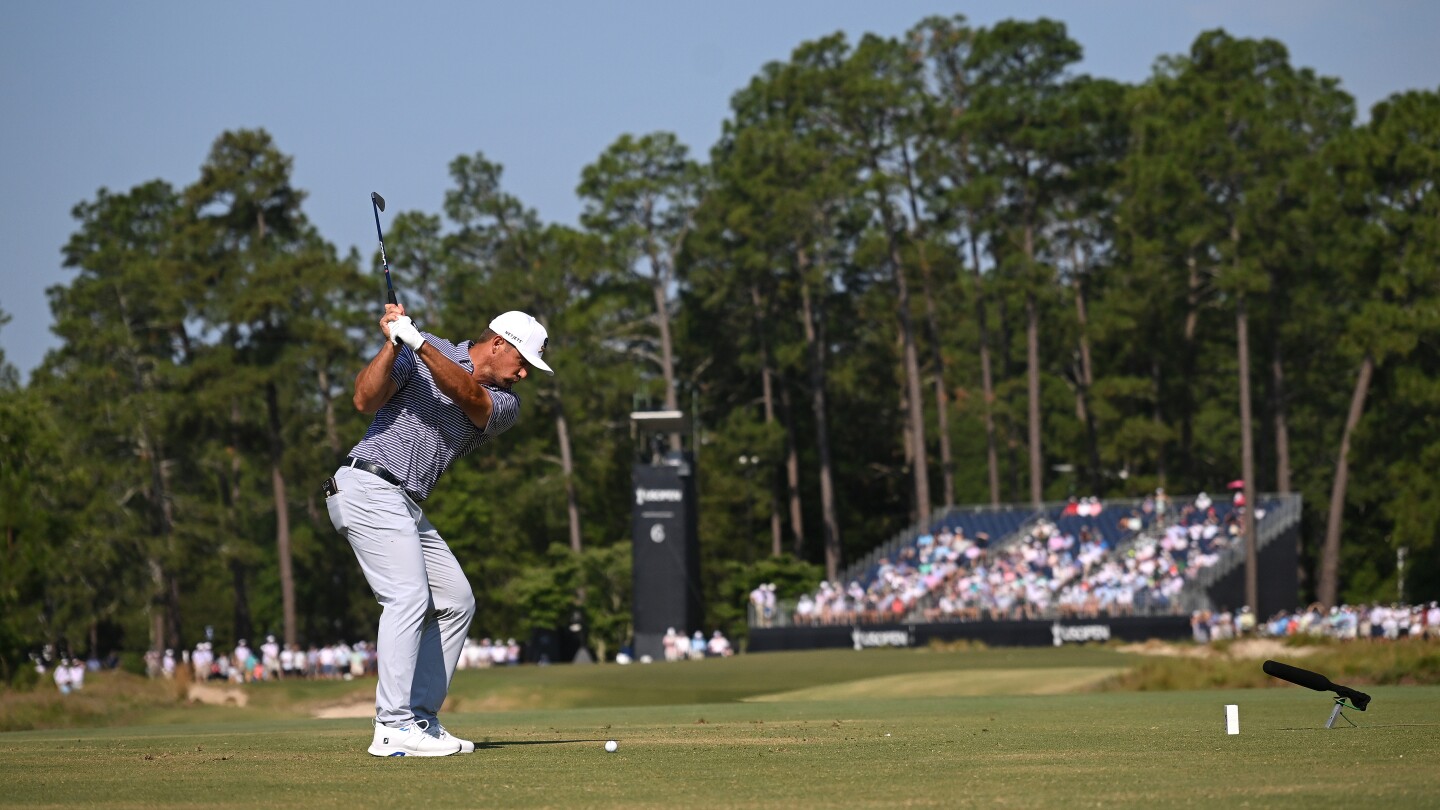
402 330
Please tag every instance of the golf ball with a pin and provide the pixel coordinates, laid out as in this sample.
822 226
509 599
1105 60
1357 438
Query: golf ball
611 746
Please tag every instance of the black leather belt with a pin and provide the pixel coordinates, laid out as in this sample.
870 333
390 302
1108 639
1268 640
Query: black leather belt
381 473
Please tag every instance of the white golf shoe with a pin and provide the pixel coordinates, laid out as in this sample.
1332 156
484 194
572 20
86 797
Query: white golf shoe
466 746
413 740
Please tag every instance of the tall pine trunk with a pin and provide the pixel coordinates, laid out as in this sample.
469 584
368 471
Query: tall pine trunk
1189 360
1282 423
567 469
164 602
1086 376
942 396
1032 375
920 470
814 324
659 286
1247 456
767 391
243 625
1329 579
987 376
282 513
1281 407
792 477
241 614
932 323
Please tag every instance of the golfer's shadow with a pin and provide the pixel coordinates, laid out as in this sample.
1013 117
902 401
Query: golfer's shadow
494 744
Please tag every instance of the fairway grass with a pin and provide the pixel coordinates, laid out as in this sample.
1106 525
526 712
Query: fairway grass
979 683
875 747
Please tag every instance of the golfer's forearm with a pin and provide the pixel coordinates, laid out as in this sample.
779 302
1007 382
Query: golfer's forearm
457 384
372 384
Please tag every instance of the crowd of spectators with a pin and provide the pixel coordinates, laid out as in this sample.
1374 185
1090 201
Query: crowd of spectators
486 653
272 660
679 648
763 604
1058 567
69 674
1375 621
269 661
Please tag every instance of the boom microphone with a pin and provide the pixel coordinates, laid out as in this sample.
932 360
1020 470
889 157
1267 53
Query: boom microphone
1316 681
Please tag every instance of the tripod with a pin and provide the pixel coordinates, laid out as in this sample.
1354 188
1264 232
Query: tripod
1336 713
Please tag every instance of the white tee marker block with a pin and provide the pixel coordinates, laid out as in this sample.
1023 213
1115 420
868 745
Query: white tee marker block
1232 719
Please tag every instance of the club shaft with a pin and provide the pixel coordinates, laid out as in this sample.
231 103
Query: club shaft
379 234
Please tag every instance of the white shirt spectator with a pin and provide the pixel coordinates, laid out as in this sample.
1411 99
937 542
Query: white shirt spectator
719 646
62 676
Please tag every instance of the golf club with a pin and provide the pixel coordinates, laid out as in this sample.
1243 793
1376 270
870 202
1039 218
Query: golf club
377 203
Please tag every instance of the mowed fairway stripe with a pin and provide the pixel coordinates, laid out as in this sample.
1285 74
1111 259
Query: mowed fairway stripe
959 683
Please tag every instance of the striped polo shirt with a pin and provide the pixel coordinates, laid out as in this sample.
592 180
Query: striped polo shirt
420 431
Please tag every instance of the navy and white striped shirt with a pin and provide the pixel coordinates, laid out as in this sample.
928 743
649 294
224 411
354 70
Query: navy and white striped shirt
420 431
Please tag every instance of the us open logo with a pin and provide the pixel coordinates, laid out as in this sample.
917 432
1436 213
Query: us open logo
644 496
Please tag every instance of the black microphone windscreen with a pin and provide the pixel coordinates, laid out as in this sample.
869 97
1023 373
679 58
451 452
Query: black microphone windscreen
1298 676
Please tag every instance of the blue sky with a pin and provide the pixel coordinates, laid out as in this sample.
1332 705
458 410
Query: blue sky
383 95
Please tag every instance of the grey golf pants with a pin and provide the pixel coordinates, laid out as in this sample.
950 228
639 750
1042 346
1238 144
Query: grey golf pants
426 602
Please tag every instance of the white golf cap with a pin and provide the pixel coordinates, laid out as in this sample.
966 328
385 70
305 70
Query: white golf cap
525 334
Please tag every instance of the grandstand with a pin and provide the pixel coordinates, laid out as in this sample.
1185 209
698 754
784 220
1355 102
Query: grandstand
1080 559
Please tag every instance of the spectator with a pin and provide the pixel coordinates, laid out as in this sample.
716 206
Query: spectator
62 676
757 606
243 661
718 646
1245 622
201 660
270 657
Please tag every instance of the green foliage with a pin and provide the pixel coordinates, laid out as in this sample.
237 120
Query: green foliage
592 587
790 576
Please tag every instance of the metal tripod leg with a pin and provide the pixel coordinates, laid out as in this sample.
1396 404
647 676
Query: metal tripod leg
1337 713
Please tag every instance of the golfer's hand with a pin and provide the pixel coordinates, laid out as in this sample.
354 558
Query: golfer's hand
392 312
403 331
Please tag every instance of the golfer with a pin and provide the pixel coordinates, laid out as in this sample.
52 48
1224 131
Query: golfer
433 401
